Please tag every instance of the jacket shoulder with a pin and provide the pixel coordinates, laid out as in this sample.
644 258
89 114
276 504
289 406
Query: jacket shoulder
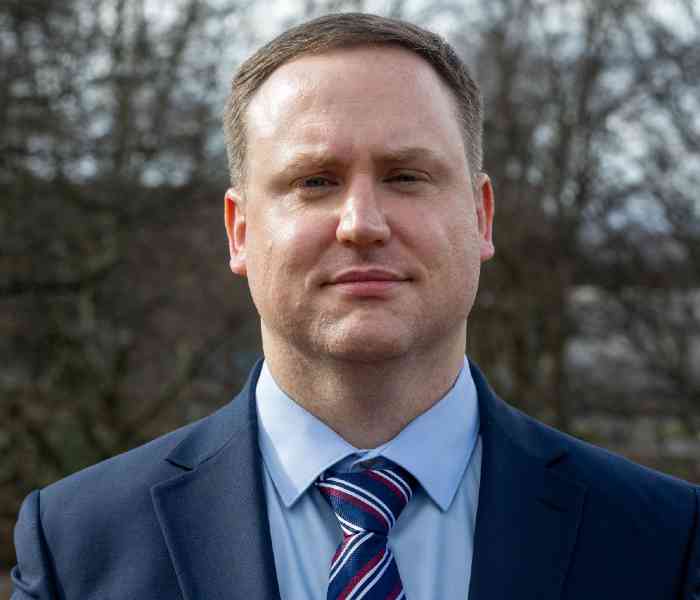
128 469
608 475
98 496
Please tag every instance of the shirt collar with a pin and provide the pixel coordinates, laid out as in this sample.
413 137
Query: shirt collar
297 447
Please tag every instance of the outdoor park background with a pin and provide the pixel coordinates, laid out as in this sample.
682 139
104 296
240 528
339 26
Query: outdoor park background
120 320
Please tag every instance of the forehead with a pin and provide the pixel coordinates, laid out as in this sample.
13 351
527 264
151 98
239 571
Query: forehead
353 97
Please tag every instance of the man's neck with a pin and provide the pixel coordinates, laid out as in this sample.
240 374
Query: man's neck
366 403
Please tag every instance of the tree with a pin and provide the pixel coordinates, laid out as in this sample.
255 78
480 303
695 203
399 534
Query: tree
119 317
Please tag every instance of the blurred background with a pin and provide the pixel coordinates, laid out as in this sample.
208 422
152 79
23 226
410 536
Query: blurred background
119 318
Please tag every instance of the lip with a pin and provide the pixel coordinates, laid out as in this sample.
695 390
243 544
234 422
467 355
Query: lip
367 275
367 283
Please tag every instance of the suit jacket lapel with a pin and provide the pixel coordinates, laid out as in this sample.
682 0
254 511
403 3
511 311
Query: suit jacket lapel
528 515
214 516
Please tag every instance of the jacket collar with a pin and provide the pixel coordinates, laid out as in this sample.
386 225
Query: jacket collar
214 516
529 514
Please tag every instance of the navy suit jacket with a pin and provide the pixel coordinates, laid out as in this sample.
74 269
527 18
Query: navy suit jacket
184 517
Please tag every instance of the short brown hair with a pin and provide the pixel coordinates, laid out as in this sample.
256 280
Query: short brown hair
345 30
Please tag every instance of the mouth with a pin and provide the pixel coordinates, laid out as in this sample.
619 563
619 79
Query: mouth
367 275
367 282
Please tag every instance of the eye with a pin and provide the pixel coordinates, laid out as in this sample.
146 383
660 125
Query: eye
315 186
315 182
407 177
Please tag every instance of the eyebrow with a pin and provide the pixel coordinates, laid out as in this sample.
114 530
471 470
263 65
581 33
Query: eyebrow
412 153
310 159
322 159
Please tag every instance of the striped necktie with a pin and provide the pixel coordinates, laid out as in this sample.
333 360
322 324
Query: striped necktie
367 504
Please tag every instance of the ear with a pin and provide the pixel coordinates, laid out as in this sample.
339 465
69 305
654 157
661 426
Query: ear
484 212
234 219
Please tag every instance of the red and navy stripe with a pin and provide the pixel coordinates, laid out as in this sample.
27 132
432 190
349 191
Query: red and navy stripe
367 505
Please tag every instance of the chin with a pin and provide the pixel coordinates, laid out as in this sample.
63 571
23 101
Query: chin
367 349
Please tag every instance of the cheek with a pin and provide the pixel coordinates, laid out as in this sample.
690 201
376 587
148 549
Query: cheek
282 248
444 240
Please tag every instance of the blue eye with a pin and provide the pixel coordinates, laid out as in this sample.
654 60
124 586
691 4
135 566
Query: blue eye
405 177
315 182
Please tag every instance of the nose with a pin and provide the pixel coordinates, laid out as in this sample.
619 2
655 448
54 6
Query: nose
362 220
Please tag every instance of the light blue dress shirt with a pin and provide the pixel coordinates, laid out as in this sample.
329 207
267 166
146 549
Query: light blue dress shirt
433 540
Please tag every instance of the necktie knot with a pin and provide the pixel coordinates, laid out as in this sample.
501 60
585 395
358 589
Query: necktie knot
367 504
369 500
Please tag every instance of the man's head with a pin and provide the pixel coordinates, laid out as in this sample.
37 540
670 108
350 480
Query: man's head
347 30
361 225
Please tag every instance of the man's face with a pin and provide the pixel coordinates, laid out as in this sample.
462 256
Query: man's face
359 228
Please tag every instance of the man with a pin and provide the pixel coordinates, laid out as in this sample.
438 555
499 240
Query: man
365 458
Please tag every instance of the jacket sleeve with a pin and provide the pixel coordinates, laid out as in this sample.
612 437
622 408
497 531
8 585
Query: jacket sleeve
31 577
691 589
